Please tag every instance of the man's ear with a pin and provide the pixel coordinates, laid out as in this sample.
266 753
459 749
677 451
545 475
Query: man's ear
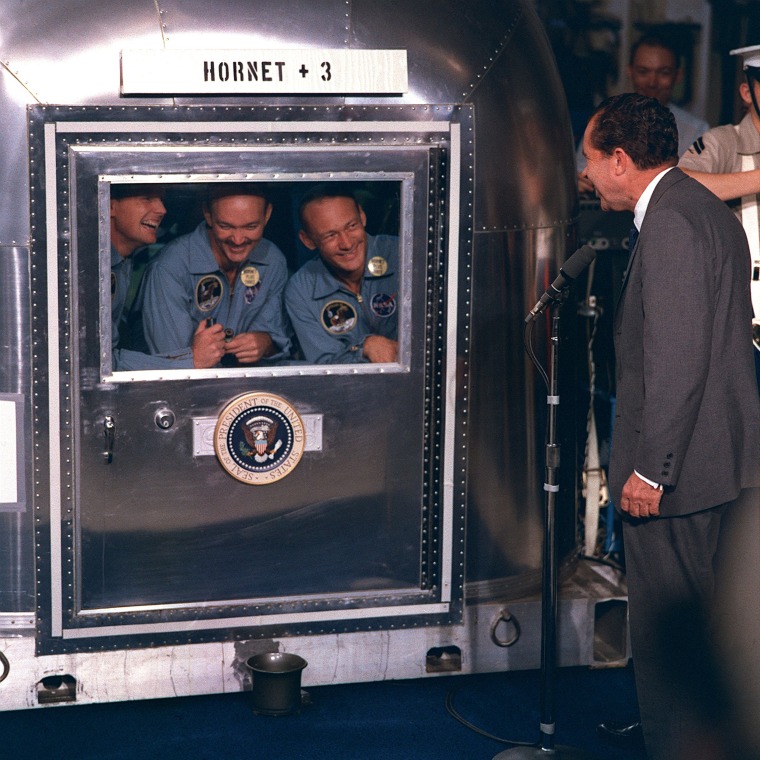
621 161
306 240
745 93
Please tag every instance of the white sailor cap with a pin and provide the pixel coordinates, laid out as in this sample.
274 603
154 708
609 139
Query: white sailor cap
750 56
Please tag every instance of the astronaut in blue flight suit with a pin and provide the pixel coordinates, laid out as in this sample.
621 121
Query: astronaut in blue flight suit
343 303
217 291
136 212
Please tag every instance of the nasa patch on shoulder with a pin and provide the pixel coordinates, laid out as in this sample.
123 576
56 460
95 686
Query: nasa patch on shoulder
259 438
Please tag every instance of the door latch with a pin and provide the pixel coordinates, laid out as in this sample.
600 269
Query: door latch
109 432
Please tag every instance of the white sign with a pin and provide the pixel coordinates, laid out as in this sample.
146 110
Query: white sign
203 434
263 72
8 453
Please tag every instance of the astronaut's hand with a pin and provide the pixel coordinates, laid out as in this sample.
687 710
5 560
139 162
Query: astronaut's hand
208 345
379 349
250 347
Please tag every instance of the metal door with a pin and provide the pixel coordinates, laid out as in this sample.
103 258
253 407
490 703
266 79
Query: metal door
143 536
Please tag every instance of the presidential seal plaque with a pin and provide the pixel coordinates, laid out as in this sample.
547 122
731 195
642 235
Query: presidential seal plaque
259 438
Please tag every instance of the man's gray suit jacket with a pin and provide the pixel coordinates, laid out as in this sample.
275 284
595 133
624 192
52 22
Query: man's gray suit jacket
687 413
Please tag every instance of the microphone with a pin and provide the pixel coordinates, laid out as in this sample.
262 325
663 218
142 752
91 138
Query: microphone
571 269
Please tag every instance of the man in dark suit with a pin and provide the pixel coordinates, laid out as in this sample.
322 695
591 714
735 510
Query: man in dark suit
685 458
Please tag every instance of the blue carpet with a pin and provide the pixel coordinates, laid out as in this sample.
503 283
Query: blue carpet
396 720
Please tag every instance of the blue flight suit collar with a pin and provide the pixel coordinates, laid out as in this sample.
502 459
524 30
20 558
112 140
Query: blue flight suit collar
326 283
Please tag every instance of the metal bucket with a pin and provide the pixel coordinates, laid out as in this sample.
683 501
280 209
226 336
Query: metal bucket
276 682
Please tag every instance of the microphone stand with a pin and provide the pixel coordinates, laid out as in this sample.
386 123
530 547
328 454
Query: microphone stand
547 747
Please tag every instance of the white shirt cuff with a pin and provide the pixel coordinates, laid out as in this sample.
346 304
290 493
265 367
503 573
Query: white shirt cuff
658 486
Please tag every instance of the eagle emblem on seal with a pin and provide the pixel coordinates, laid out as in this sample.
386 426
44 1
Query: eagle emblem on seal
261 436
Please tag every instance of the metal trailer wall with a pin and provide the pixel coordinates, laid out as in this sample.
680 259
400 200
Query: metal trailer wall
487 59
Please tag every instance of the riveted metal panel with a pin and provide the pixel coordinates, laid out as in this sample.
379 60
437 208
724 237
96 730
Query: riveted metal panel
157 542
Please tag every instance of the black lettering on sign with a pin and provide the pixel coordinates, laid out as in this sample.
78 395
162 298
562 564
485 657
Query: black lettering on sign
241 71
327 75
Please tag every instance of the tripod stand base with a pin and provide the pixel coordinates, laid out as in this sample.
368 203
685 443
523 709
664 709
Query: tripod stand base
559 752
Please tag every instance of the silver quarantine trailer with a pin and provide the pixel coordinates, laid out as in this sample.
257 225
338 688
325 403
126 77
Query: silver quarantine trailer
148 548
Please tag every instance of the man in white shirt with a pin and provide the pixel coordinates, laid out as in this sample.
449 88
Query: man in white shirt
685 455
654 69
727 161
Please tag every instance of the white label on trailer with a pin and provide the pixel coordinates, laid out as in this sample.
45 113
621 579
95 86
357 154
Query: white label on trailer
8 453
203 434
312 71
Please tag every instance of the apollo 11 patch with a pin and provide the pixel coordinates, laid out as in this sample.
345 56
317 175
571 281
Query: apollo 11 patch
208 292
259 438
338 317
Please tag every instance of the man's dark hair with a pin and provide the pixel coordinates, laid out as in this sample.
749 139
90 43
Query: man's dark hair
218 190
752 72
134 190
657 39
325 190
643 127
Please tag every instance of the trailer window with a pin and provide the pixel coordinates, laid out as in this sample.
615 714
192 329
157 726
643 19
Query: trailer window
189 269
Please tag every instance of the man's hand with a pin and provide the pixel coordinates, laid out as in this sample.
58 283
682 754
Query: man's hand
378 349
639 499
208 345
250 347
